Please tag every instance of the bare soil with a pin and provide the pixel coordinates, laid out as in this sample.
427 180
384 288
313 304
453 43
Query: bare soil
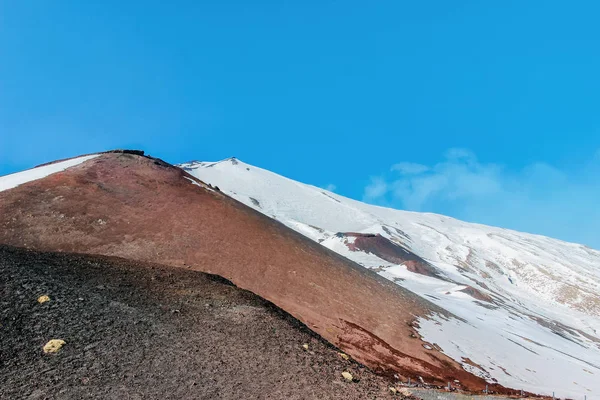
143 331
389 251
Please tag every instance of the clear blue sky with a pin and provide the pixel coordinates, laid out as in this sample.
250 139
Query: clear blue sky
487 111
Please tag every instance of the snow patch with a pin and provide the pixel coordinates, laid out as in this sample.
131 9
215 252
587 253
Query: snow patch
19 178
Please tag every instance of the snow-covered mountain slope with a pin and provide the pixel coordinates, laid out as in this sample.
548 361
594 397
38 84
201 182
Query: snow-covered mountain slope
19 178
529 306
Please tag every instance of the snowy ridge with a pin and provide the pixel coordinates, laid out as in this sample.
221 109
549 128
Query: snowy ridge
530 305
19 178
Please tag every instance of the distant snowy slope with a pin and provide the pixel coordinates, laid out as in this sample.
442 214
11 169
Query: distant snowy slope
530 305
19 178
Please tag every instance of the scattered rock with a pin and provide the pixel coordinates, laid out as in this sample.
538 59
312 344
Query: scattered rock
305 346
54 345
344 356
254 201
393 390
405 392
36 394
43 299
347 376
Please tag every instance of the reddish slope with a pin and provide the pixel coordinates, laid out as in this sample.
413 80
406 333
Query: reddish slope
143 209
391 252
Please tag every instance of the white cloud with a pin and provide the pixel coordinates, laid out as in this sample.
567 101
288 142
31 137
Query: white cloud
538 198
457 153
409 168
376 189
331 187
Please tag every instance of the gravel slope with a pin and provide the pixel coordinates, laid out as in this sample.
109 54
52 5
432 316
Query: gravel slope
136 330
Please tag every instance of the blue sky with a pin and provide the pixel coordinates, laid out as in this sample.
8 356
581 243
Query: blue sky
486 111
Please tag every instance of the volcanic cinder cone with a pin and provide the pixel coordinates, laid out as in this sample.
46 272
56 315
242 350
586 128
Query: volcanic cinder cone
143 209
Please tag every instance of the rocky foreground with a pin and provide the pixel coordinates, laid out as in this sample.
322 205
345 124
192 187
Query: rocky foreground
135 330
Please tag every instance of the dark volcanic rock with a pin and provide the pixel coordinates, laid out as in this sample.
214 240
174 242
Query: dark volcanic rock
137 330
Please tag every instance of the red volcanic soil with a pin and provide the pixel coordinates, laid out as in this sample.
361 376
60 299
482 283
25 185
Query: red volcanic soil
477 294
391 252
143 209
